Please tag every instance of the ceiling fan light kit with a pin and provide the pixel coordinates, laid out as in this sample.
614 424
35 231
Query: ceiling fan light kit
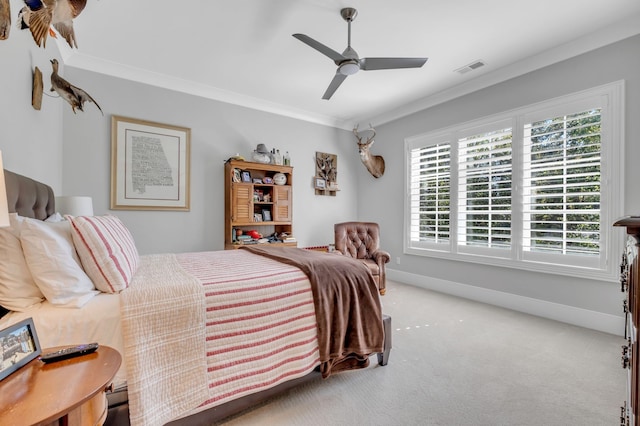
349 67
348 61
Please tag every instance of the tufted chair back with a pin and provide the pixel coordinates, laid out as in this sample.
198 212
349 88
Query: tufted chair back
361 240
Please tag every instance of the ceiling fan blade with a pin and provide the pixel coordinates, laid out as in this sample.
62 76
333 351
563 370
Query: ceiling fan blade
327 51
369 64
333 86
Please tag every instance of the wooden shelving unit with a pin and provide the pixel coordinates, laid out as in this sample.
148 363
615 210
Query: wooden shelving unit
248 201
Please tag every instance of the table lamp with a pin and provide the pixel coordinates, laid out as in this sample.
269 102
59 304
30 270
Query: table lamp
74 205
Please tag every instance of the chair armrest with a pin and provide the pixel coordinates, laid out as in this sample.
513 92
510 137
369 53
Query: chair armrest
381 257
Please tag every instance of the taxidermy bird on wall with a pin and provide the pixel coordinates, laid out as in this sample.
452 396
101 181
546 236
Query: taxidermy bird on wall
67 91
5 19
40 15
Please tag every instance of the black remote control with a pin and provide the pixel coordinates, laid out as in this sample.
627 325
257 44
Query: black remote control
69 352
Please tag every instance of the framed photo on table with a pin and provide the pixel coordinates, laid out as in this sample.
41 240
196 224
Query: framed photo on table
266 215
18 345
149 165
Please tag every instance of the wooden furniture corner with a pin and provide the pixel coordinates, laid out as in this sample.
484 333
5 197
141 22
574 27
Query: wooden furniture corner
68 392
629 281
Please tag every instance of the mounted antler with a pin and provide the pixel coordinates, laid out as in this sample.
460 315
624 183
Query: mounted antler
373 163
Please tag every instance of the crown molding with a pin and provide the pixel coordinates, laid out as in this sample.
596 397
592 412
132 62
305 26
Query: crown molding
609 35
619 31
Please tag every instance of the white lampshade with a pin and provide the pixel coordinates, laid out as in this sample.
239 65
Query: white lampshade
74 205
4 206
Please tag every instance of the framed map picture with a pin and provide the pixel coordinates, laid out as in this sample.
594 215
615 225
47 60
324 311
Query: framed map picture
149 165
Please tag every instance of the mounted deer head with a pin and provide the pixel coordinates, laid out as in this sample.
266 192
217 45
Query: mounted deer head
373 163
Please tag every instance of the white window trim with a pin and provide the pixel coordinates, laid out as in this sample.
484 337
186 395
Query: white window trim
612 189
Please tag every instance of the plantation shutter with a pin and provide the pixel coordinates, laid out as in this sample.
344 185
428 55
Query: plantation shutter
562 184
429 193
484 189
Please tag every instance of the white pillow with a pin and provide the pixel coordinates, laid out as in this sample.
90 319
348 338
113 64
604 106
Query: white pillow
18 291
106 249
56 217
54 264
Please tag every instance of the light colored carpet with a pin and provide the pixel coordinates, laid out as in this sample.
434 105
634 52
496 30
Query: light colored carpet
458 362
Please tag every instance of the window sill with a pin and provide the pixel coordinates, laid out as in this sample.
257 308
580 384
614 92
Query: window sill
526 265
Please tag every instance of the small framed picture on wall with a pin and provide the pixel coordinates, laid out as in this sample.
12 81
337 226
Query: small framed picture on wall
320 183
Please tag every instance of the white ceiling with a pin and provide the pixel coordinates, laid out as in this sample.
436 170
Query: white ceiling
243 51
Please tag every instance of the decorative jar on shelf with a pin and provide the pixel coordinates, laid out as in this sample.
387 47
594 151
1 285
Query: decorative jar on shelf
280 179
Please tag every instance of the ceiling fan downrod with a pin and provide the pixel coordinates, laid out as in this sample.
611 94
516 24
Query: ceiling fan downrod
348 14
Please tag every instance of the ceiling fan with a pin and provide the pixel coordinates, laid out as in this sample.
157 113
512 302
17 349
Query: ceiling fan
348 61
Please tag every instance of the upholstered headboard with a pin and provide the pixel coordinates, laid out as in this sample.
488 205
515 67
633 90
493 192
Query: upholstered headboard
29 198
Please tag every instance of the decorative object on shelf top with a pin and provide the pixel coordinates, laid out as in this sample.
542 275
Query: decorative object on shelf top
5 19
67 91
39 16
280 179
373 163
236 157
261 154
276 157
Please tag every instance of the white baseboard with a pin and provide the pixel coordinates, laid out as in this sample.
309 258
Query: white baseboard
594 320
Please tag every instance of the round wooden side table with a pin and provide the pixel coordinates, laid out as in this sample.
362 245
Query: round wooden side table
70 392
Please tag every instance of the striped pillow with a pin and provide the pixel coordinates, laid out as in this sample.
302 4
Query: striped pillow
106 249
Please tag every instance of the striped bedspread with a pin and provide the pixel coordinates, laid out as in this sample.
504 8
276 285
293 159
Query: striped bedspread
260 322
260 328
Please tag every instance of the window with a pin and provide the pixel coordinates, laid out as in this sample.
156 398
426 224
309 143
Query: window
430 191
536 188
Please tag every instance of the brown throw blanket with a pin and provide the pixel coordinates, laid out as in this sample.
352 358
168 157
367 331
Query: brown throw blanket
347 304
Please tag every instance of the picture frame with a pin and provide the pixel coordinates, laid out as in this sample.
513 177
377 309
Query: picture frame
235 176
149 165
320 183
20 345
266 215
257 217
246 176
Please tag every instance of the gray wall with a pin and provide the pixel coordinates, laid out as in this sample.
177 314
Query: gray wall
620 61
71 152
218 131
30 140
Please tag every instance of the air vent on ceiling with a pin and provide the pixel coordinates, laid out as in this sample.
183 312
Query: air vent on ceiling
470 67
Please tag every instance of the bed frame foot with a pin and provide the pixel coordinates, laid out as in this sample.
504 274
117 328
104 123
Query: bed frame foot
383 358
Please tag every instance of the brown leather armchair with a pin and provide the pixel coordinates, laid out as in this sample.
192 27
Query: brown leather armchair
361 240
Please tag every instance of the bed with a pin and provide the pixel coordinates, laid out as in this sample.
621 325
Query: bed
203 335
